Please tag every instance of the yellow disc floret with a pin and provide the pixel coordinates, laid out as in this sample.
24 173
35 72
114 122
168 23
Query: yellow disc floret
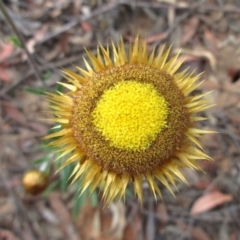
130 115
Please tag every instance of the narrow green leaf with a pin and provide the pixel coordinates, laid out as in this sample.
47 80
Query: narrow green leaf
129 193
59 88
94 199
37 91
46 75
51 188
79 202
64 176
39 160
16 42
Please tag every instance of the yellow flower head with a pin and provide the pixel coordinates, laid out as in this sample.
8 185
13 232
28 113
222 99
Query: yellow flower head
128 119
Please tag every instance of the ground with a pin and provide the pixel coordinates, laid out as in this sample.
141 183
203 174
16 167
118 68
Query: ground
55 34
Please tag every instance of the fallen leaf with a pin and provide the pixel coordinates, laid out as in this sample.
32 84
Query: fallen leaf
113 222
210 201
4 126
87 27
197 233
162 213
38 36
133 229
211 40
77 7
199 53
13 113
4 73
201 184
7 212
85 221
7 235
5 51
102 223
118 219
63 43
64 216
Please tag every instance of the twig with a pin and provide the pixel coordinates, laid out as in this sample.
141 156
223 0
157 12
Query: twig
197 6
21 39
209 217
150 225
103 9
19 207
30 73
75 22
110 6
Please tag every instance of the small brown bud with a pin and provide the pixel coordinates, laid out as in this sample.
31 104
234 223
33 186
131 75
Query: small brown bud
34 181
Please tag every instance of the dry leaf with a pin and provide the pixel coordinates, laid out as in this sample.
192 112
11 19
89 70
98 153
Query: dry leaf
133 229
154 38
211 40
13 113
7 235
199 53
38 36
5 51
87 221
210 201
196 232
4 74
162 213
118 220
87 27
113 222
64 216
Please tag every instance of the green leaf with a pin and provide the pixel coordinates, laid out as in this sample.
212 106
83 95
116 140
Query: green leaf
59 88
16 42
79 201
65 173
94 199
45 147
46 75
40 160
129 193
51 188
37 91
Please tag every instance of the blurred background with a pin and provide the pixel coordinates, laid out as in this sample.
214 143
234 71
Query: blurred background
51 35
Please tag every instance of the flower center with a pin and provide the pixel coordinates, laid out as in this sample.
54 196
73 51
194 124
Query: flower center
154 129
130 115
